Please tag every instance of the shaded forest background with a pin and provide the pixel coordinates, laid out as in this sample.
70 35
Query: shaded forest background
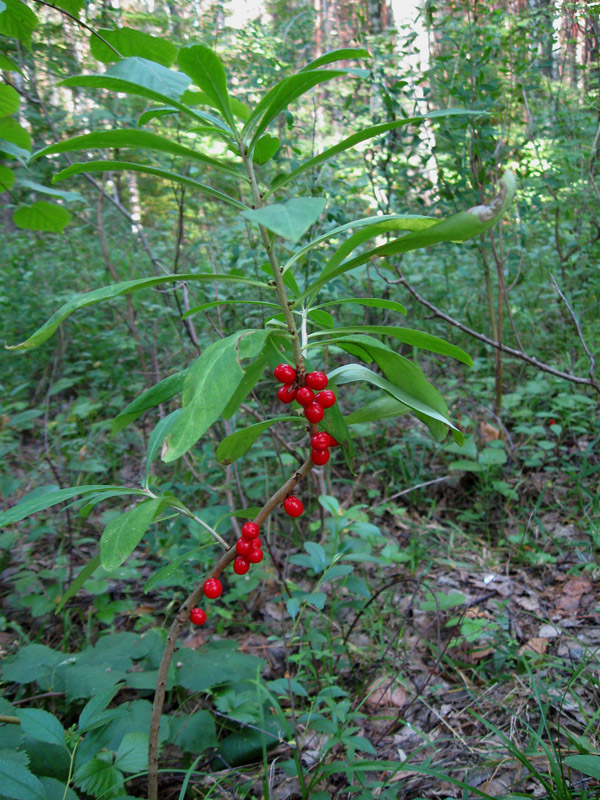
461 650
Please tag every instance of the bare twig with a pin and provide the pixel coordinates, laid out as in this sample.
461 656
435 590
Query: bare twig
588 353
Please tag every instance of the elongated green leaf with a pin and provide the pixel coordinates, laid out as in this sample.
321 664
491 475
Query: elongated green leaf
588 764
116 290
17 782
146 169
209 384
157 437
204 67
123 534
381 408
425 341
132 137
458 228
7 178
69 197
236 444
41 725
356 138
252 374
336 55
137 76
18 21
40 501
161 392
282 94
130 42
265 149
370 302
350 373
215 303
42 216
81 578
335 424
290 219
9 100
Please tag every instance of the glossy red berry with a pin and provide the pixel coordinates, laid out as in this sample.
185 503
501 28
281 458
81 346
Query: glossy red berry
293 506
241 565
314 412
319 457
255 544
285 373
305 396
243 547
256 556
286 394
316 380
333 442
197 616
320 441
325 399
213 588
250 530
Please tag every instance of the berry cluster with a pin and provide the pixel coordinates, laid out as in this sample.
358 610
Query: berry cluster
314 404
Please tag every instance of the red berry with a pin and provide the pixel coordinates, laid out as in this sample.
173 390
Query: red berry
305 396
285 373
286 394
250 530
243 547
256 556
293 506
319 457
320 441
552 422
213 588
314 412
326 398
241 565
333 442
316 380
255 544
197 616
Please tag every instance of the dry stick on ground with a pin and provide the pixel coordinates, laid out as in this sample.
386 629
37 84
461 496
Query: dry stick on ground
183 616
534 362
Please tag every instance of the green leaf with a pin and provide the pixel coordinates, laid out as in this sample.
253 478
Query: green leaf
138 76
161 392
335 424
208 387
130 42
290 219
57 790
457 228
336 55
132 755
350 373
81 578
94 711
163 574
236 444
369 302
7 63
282 94
354 139
204 67
31 663
18 782
72 6
99 778
42 216
116 290
38 501
214 664
18 22
132 137
123 534
265 148
9 100
193 733
157 437
588 764
7 178
381 408
467 466
69 197
146 169
41 725
12 132
252 374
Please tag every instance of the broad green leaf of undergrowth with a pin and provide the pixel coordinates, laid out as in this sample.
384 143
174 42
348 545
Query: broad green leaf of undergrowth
123 534
12 132
130 42
7 178
265 149
236 444
290 219
68 197
588 764
7 63
9 100
42 216
116 290
39 724
205 68
18 783
132 755
146 169
18 21
99 778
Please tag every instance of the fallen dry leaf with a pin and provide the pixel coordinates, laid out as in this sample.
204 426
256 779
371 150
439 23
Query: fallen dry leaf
386 692
537 644
571 594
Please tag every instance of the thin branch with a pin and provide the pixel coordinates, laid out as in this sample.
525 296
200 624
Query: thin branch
588 353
